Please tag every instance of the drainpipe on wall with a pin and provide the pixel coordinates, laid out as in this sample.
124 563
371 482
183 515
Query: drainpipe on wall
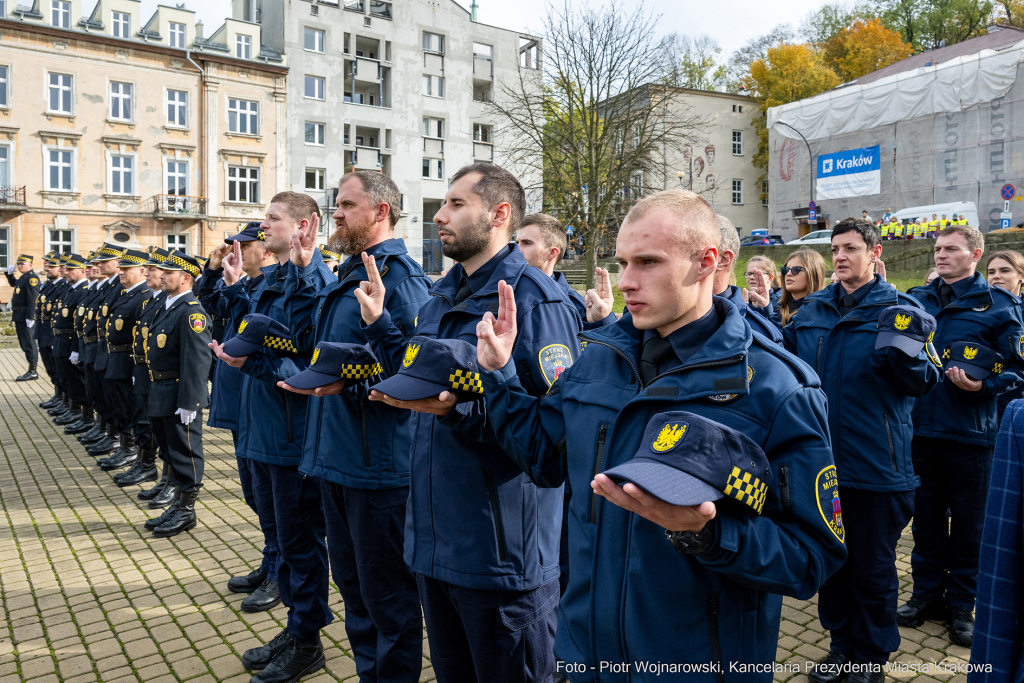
202 147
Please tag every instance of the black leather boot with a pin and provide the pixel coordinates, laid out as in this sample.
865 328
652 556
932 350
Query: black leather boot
248 583
122 457
50 402
961 627
154 522
260 657
166 497
87 422
142 471
183 519
62 407
105 445
94 434
265 597
298 658
74 414
916 611
30 375
150 494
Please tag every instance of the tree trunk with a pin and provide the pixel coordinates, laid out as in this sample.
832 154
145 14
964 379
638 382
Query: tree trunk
590 261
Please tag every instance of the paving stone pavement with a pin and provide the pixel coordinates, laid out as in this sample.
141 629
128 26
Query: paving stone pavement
88 595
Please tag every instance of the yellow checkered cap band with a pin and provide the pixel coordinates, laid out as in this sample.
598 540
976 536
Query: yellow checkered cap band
133 259
747 489
360 372
184 265
108 251
463 380
279 343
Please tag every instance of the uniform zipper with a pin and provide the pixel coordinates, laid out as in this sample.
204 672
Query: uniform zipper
499 527
366 447
892 446
716 645
784 489
602 434
817 358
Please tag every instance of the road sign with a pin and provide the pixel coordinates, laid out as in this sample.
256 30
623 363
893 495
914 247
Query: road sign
812 215
1004 220
1007 192
812 205
1006 206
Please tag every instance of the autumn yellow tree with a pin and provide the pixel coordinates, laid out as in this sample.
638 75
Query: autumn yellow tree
789 73
863 47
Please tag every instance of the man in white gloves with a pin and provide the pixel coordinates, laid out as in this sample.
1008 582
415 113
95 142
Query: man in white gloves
23 310
179 361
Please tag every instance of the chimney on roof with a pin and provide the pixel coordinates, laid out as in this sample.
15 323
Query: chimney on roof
199 29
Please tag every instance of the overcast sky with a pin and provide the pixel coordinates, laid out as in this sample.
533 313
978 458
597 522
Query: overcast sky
731 22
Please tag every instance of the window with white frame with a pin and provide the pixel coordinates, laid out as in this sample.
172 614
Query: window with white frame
315 133
737 143
59 170
433 168
433 42
121 101
433 86
122 24
636 182
737 191
3 84
122 176
314 88
433 128
243 116
481 132
60 14
177 34
313 40
3 9
60 241
176 242
315 178
177 183
4 248
5 166
764 193
636 138
243 184
177 108
59 88
243 47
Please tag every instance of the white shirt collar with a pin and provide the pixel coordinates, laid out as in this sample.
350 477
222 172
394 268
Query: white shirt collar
171 299
83 281
115 276
135 286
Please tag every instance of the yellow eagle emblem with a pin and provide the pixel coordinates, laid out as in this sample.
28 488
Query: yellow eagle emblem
668 437
242 326
316 354
902 322
411 352
970 352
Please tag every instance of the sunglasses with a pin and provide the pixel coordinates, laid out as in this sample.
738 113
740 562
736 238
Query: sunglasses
796 270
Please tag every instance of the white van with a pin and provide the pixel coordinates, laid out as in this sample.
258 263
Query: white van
962 209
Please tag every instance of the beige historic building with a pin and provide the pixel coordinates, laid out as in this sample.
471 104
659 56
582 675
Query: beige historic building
134 130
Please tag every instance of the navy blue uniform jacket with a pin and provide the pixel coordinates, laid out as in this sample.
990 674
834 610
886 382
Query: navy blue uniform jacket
631 595
758 323
989 316
473 518
871 392
351 440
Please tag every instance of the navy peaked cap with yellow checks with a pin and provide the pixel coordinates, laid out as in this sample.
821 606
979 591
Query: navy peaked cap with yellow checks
686 459
257 331
157 257
252 231
133 259
74 261
976 360
333 361
328 254
179 260
431 366
108 252
26 258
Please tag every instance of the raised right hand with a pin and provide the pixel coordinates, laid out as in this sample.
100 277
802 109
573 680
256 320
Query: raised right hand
302 244
496 337
371 292
233 264
217 257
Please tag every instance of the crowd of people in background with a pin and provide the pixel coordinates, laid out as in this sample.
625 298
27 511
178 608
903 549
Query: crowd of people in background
892 228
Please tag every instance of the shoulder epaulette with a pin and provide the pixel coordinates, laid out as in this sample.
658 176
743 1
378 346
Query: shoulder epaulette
193 303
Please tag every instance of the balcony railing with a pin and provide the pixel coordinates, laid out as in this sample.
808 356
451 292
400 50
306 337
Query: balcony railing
176 204
12 196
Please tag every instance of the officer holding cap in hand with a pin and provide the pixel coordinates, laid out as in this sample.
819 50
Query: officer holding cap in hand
653 581
869 345
955 430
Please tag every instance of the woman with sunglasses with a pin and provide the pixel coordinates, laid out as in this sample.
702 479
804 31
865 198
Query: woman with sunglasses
803 274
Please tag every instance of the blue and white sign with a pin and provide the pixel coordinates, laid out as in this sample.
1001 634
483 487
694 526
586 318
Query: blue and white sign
850 173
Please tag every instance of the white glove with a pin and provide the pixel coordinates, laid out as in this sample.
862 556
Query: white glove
74 358
10 269
133 381
186 415
30 323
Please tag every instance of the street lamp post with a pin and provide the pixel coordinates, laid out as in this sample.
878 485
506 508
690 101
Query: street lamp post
809 155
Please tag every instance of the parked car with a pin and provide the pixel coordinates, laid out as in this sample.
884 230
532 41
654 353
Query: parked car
758 240
816 237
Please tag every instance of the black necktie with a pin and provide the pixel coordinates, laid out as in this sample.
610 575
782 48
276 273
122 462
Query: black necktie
464 291
656 351
846 304
946 294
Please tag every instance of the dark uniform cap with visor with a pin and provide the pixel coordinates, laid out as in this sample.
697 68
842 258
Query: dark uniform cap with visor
251 233
179 260
907 328
976 360
73 261
157 258
108 252
431 366
133 259
333 361
685 459
257 331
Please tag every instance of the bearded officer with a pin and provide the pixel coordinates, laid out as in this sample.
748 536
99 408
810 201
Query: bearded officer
23 311
179 362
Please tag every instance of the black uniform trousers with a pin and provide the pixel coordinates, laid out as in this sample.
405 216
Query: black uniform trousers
365 544
181 447
858 603
954 477
74 381
254 498
46 355
27 343
94 385
134 412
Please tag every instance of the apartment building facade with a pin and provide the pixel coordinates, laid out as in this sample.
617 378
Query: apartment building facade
394 87
133 130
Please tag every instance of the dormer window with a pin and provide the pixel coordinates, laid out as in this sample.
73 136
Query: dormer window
243 47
